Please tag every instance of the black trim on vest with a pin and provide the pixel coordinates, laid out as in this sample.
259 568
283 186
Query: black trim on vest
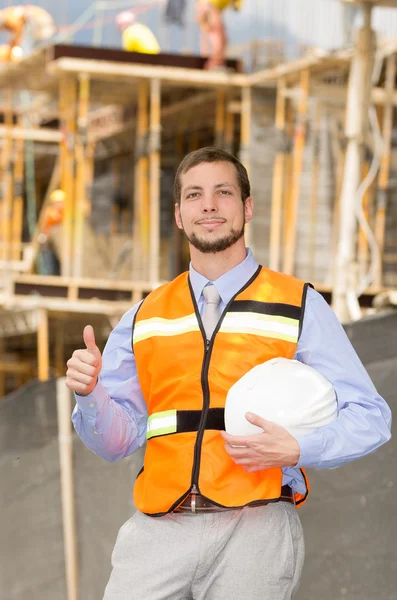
266 308
307 488
133 324
303 306
189 420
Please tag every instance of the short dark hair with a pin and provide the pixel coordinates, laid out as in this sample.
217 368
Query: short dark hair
208 155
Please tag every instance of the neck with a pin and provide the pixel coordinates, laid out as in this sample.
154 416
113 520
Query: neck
214 265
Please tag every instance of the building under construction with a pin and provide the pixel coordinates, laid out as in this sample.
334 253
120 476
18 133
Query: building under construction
109 128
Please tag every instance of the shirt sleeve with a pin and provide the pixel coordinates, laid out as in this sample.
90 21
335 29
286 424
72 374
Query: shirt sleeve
364 418
112 420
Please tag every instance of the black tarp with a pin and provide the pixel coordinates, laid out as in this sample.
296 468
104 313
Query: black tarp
350 521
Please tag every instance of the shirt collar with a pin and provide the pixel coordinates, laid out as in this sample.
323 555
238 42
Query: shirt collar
227 284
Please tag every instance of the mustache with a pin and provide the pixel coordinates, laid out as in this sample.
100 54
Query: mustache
220 219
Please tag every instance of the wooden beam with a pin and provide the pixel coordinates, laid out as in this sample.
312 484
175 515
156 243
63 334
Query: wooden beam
17 217
8 181
67 99
384 171
299 145
65 439
109 71
141 187
43 350
81 174
36 135
154 164
278 179
245 139
220 118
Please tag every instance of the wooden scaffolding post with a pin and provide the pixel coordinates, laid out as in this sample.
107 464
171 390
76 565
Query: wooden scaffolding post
17 221
7 172
384 172
220 118
65 441
289 130
245 140
299 145
278 178
154 160
229 131
81 173
43 350
67 109
141 188
314 188
363 248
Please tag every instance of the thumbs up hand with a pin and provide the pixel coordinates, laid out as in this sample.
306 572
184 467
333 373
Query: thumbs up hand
84 365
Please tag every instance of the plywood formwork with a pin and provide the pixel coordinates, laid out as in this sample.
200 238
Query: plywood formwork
96 104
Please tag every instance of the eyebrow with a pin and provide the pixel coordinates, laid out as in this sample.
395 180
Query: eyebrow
218 185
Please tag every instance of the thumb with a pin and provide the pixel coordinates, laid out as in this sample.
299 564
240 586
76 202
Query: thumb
89 340
256 420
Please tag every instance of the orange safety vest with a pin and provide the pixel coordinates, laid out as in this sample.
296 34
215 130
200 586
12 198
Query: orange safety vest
185 380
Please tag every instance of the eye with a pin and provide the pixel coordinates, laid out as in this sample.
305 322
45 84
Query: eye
225 192
192 195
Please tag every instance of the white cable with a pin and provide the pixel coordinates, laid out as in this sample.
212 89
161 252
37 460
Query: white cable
365 184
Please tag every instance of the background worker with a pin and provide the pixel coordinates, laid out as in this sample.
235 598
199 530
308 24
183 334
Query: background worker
48 261
213 38
216 514
136 37
29 26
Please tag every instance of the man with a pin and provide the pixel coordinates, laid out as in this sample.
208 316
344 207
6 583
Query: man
213 38
216 514
136 37
29 26
48 261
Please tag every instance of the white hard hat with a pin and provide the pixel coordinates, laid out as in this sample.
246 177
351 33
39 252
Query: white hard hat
284 391
125 19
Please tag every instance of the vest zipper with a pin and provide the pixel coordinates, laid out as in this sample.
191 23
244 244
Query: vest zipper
208 344
201 428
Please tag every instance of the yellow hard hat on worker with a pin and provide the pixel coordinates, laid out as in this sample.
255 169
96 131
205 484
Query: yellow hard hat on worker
222 4
57 196
136 37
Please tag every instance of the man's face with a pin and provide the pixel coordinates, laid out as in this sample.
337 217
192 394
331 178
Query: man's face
211 212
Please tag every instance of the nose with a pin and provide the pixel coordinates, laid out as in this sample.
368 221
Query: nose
209 204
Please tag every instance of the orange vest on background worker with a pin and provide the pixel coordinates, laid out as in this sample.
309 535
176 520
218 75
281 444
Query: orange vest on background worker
185 384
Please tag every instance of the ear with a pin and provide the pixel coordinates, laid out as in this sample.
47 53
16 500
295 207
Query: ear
178 219
248 209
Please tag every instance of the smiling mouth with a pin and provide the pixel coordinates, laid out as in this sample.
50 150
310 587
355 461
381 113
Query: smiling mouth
211 223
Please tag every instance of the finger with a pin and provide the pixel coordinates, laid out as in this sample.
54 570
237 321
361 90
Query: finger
89 340
241 452
86 357
82 367
256 420
76 386
254 468
80 377
239 440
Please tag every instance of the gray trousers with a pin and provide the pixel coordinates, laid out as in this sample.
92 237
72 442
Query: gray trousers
253 553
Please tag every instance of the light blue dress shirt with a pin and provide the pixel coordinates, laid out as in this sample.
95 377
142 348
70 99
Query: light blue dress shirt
111 421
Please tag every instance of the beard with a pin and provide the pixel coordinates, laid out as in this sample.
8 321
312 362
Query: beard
219 245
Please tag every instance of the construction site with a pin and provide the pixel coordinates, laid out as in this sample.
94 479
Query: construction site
90 140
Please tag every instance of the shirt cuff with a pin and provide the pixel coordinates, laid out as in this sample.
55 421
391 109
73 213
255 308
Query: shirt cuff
92 403
311 449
